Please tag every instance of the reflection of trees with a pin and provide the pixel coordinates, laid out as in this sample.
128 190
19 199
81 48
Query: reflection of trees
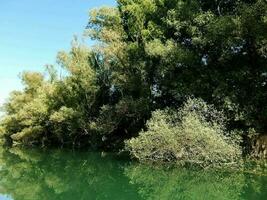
161 183
256 187
58 174
35 175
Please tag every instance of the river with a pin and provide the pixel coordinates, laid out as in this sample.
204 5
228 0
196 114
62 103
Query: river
38 174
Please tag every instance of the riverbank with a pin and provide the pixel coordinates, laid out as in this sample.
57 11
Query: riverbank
167 81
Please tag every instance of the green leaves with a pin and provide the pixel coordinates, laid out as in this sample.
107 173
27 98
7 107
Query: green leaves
194 135
149 55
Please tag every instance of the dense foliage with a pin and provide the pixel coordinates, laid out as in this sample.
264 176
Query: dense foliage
148 55
194 135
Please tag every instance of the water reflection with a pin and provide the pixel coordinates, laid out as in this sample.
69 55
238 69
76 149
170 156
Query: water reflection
34 175
184 184
59 174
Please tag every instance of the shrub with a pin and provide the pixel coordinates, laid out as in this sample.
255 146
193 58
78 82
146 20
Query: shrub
195 134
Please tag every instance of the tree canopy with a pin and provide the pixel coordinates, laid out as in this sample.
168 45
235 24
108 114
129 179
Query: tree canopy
148 55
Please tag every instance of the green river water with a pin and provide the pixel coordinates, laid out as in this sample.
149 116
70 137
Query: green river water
31 174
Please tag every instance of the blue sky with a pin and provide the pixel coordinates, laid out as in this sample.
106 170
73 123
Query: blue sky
33 31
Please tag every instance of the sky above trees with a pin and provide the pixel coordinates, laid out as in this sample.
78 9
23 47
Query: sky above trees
152 55
32 32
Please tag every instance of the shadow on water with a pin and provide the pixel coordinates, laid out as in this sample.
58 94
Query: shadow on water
61 174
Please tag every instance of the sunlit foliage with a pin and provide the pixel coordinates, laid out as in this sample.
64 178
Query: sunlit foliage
194 135
148 55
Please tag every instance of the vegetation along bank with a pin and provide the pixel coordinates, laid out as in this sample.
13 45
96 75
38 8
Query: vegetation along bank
167 80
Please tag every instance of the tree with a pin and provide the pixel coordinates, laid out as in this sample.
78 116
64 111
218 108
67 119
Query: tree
149 55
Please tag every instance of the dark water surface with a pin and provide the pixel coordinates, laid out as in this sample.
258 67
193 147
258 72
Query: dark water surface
30 174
